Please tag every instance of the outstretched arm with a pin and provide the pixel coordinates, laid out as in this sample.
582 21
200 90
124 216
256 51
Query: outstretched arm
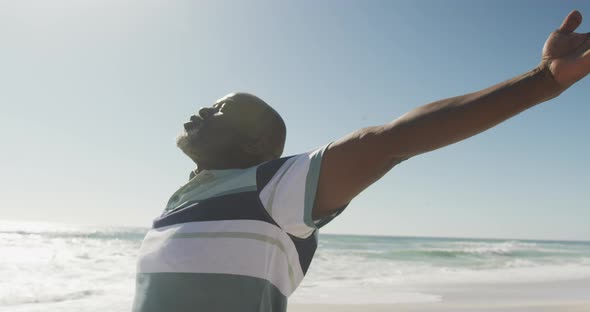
354 162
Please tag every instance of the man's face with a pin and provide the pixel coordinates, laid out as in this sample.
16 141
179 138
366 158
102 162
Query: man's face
215 132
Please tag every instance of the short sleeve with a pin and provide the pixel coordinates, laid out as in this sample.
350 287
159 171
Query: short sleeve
289 195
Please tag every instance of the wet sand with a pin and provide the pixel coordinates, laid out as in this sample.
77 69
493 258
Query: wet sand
559 296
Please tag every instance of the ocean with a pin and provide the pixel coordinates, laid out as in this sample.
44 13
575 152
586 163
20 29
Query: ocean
56 267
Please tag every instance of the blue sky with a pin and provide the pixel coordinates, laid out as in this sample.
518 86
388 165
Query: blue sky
94 93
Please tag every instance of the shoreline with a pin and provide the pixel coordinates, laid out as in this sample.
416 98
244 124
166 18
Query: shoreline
560 296
442 307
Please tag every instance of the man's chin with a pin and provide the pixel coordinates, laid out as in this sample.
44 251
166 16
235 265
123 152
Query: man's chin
183 140
186 142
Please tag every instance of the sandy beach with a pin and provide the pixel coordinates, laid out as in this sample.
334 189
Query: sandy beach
561 296
443 307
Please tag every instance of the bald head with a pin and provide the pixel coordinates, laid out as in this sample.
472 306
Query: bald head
240 130
260 121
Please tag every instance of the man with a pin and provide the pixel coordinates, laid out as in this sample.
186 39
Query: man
240 235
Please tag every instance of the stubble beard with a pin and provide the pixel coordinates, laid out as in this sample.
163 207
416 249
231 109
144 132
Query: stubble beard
185 144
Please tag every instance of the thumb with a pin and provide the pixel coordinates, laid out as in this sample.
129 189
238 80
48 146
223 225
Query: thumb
571 22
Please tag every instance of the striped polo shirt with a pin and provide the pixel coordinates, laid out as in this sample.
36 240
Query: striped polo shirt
233 240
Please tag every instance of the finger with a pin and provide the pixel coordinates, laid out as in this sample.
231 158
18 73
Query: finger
584 66
586 56
571 22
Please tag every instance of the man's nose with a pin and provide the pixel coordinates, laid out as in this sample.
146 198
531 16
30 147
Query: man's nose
207 112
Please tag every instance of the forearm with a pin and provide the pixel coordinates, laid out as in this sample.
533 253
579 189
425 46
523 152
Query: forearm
451 120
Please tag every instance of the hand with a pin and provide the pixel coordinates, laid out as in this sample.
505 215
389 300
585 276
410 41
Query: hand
566 53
